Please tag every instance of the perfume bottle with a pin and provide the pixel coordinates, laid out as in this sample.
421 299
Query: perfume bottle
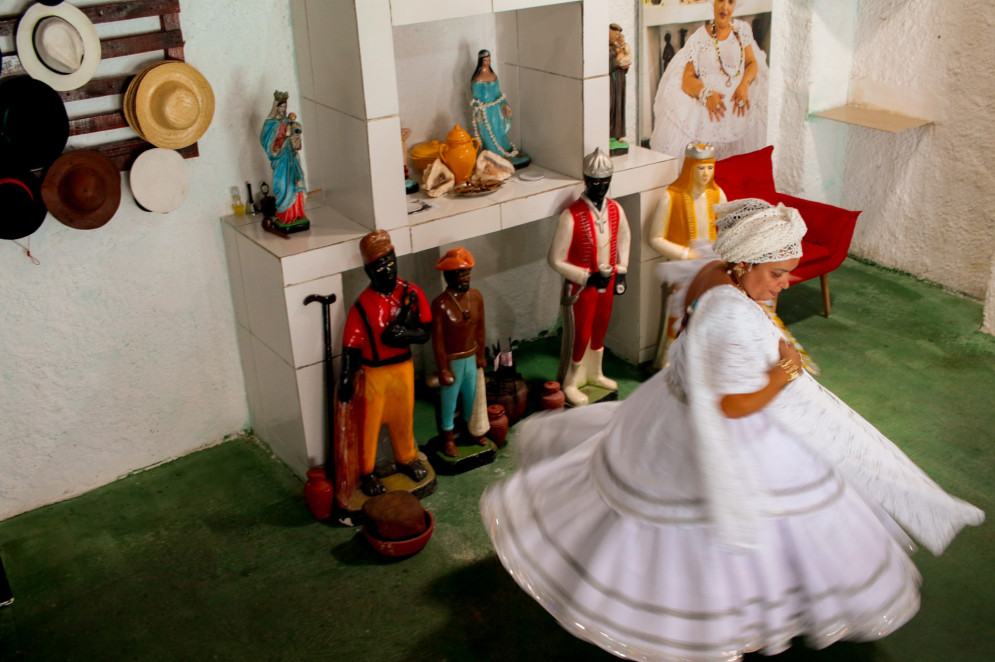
237 205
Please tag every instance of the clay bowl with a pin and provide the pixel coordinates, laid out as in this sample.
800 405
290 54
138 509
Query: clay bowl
406 546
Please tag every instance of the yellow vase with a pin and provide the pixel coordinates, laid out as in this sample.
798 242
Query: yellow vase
460 154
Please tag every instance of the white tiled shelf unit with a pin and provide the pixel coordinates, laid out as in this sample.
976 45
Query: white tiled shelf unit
368 67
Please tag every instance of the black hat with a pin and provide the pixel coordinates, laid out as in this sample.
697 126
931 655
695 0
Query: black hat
21 207
34 126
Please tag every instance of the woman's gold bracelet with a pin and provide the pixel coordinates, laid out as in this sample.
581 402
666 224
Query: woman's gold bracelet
789 366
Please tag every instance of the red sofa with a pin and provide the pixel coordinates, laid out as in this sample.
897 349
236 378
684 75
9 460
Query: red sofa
830 229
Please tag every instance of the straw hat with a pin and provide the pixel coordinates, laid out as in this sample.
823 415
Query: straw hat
128 103
34 126
58 45
173 105
159 180
82 189
21 201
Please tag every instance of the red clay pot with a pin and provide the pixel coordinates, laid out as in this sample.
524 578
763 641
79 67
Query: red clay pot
499 425
552 396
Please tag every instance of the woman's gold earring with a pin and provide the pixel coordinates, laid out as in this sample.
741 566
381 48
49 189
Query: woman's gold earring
739 270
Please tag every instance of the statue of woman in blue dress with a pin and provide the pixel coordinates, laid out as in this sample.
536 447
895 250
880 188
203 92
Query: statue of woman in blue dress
281 138
492 114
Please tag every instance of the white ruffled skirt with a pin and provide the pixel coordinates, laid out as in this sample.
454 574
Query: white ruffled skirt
610 533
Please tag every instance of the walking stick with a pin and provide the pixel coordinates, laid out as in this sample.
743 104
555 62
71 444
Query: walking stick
325 302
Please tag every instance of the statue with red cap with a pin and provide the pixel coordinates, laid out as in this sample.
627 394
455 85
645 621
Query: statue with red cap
459 346
387 318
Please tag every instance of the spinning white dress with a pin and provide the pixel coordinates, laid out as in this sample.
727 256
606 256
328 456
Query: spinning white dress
679 119
659 529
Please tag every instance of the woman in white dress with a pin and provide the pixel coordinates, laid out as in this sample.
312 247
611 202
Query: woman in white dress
714 90
730 503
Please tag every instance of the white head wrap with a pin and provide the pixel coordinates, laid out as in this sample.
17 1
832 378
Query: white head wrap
753 231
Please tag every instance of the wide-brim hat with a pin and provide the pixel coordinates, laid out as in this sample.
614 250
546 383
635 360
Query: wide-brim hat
34 126
58 45
21 202
128 102
159 180
173 105
82 189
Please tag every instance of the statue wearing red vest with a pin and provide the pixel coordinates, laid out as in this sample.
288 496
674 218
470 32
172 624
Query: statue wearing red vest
590 250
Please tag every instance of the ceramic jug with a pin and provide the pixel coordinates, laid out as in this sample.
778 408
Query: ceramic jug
499 425
460 154
318 492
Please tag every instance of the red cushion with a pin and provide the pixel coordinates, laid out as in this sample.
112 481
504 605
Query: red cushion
749 175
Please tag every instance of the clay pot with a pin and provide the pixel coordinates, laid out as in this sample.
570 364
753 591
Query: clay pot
507 388
552 396
318 492
404 547
460 154
499 425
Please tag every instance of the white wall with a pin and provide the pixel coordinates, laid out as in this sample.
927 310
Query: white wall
926 193
118 350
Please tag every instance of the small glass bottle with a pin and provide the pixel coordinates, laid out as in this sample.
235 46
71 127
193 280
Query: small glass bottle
237 205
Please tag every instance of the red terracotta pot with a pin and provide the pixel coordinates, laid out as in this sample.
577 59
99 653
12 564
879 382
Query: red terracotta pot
405 547
318 492
499 425
552 396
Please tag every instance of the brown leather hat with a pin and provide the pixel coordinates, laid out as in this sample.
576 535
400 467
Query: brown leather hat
375 245
82 189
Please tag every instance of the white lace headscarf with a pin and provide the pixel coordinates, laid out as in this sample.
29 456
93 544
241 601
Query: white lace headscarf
754 231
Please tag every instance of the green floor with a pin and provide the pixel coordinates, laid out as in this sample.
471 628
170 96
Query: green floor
215 556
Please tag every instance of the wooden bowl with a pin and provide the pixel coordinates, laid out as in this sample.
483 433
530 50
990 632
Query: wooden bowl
405 547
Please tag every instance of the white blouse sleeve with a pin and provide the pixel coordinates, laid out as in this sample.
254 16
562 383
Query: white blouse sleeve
745 32
726 350
739 345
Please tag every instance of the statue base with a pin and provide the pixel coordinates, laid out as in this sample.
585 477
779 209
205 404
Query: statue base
520 161
393 479
596 394
471 454
410 186
299 225
285 229
618 147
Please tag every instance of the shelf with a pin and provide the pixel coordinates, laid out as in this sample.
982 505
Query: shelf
448 220
873 118
408 12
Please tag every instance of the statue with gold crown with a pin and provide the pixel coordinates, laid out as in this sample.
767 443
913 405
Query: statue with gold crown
281 138
682 229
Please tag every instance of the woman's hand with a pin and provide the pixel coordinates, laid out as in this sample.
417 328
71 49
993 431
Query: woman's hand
788 351
506 111
735 405
741 99
716 106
